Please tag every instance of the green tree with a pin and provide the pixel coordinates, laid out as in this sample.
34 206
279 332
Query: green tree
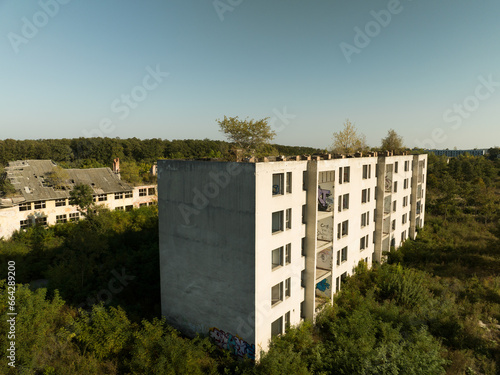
392 142
104 332
494 153
130 171
158 349
348 140
58 177
6 188
247 134
81 196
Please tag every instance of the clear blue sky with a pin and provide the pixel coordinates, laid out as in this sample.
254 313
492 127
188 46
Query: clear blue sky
423 72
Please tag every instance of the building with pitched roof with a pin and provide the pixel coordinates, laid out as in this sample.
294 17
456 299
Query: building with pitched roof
42 193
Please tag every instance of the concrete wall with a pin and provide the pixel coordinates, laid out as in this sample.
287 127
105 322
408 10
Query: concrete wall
207 247
398 196
353 214
216 237
418 193
266 241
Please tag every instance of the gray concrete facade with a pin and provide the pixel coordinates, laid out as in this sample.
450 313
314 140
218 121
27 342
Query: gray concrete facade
248 248
207 245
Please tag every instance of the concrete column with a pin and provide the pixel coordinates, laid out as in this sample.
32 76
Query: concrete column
311 240
379 218
413 197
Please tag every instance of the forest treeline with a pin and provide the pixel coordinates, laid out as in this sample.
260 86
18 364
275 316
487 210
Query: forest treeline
136 155
433 308
100 152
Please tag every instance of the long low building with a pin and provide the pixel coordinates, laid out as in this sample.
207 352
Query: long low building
42 193
247 248
456 153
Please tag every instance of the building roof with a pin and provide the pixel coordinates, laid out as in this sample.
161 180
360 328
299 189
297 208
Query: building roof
32 180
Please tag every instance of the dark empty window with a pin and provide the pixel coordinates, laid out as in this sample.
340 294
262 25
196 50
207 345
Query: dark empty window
277 221
25 207
278 184
39 205
343 254
277 294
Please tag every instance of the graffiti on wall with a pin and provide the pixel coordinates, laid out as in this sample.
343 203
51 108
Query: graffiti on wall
235 344
324 259
325 230
322 285
388 183
325 200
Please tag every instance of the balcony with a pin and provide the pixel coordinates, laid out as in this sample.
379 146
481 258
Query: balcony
323 292
322 245
320 303
387 205
326 193
386 226
322 274
324 232
385 245
388 182
324 264
324 214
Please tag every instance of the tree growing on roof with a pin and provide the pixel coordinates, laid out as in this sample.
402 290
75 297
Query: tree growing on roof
393 142
58 177
348 140
6 188
247 134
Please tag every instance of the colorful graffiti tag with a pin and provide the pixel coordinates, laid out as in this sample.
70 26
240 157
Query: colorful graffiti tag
236 345
323 285
325 200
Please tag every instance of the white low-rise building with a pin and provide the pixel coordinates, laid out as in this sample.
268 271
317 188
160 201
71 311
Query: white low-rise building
42 193
248 248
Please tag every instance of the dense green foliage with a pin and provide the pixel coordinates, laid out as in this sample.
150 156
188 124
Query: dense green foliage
136 155
434 308
6 188
247 134
100 152
81 196
110 257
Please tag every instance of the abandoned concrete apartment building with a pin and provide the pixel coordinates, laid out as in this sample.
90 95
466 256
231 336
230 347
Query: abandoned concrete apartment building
247 248
42 193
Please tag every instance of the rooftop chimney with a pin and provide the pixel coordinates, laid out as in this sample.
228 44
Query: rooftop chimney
116 166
